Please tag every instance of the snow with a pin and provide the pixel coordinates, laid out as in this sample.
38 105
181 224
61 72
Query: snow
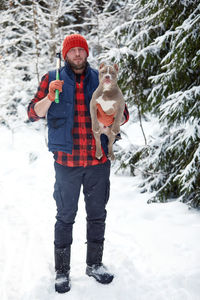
153 249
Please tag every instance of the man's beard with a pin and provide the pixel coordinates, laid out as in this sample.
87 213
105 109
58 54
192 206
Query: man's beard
75 66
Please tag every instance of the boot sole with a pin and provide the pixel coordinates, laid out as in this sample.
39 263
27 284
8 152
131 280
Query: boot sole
62 289
98 280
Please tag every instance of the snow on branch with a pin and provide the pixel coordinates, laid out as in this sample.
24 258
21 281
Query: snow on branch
179 102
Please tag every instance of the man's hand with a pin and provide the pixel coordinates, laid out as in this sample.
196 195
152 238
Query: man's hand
54 85
42 106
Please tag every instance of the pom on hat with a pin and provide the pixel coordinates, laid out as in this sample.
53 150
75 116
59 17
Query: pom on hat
74 40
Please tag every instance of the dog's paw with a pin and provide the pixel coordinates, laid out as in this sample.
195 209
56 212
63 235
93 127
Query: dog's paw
111 156
98 154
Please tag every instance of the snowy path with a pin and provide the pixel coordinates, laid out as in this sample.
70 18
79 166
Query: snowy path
153 250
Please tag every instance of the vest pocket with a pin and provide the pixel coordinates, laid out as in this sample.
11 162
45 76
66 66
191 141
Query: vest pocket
56 123
58 132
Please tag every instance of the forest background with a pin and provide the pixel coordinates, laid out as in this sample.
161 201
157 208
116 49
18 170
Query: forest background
156 44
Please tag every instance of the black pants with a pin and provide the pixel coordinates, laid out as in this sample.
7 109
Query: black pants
96 188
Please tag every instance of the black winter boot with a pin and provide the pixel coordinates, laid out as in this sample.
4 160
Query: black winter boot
95 268
62 267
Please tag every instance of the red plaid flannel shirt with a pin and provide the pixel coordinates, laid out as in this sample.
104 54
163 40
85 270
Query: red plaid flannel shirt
83 152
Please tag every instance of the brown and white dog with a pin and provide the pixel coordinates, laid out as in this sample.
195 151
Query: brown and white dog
107 108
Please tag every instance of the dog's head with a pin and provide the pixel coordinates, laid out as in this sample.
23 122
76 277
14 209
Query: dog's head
108 75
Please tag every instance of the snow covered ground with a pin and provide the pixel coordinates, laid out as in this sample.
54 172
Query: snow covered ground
153 250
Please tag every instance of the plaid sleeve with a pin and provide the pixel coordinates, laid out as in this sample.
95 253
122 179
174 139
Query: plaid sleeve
41 93
126 114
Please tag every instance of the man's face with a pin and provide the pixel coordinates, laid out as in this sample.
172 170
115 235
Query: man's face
77 58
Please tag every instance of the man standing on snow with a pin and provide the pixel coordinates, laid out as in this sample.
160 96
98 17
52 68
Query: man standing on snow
71 140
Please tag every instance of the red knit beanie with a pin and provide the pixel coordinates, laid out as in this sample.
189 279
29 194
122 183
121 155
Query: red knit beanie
74 40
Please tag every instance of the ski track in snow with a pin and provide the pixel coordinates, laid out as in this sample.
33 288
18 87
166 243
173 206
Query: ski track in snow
153 250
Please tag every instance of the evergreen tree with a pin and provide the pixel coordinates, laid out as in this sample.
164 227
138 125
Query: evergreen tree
179 88
166 68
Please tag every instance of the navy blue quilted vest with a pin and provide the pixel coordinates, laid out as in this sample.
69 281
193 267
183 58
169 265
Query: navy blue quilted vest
60 116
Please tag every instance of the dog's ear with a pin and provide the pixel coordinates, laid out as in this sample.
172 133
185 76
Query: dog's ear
101 65
116 67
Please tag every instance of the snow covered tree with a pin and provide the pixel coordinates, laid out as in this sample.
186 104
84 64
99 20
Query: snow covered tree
15 41
31 32
165 51
179 88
